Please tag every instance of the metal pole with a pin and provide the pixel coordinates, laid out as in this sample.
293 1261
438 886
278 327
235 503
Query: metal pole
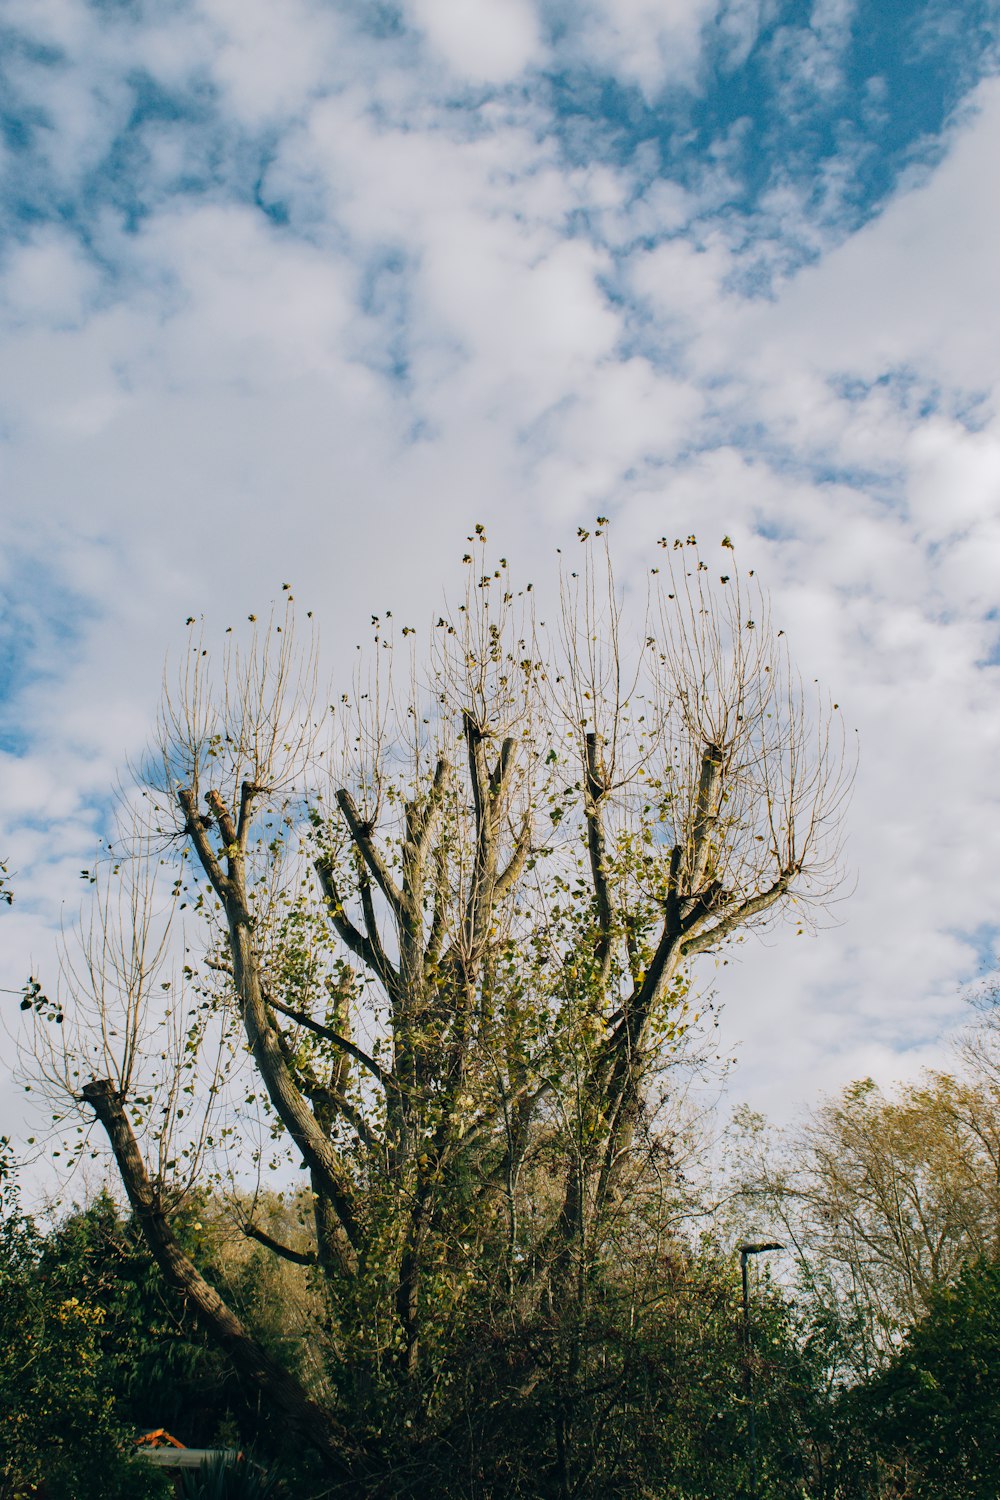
748 1375
745 1253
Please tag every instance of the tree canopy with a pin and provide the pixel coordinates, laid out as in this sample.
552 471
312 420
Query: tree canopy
430 939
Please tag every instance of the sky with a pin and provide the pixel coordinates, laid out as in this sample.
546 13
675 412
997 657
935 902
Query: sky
301 292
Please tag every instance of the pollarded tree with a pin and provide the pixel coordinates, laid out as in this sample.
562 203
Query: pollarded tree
442 936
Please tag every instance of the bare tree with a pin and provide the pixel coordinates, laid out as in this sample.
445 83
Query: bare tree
444 933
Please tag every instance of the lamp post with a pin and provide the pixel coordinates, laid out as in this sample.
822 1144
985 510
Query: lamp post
746 1251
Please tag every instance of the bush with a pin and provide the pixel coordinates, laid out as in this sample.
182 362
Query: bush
934 1414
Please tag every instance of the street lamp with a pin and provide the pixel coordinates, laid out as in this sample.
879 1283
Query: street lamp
746 1250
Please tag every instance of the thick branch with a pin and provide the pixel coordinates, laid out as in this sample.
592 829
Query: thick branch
361 833
384 968
706 814
636 1010
226 825
488 792
343 1042
197 832
421 822
738 915
251 1360
596 781
262 1034
712 897
478 773
672 905
266 1045
439 920
499 775
297 1015
509 876
358 943
248 791
327 1100
297 1257
434 800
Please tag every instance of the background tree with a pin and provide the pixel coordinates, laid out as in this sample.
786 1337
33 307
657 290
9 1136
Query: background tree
887 1197
934 1412
443 944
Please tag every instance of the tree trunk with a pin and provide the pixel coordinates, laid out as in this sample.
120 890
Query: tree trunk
249 1358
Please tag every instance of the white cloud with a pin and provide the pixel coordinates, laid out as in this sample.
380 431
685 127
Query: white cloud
956 477
899 292
454 325
808 60
269 59
484 41
739 25
649 43
48 278
683 284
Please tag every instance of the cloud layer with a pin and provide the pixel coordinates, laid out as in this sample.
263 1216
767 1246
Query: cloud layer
299 292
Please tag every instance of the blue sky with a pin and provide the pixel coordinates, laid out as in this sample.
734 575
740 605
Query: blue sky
834 102
301 291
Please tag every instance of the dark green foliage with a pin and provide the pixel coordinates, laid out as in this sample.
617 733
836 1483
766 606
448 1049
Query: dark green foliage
163 1371
223 1479
59 1421
113 1352
636 1396
638 1388
934 1414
